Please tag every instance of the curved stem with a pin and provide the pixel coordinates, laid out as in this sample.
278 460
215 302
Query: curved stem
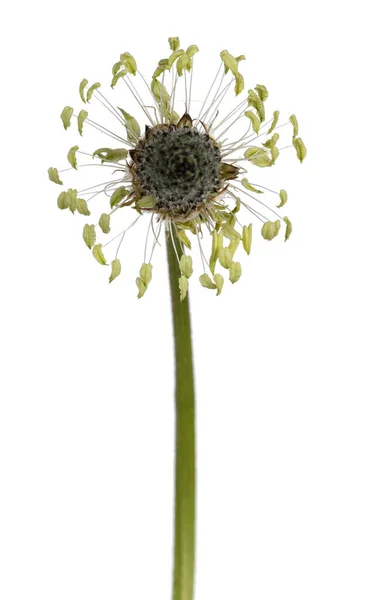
184 542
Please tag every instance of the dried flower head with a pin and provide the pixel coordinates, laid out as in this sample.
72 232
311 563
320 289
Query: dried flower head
182 173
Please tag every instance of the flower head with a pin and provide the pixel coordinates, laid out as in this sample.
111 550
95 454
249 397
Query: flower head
179 171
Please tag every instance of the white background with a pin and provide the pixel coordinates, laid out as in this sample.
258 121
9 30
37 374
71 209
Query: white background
86 430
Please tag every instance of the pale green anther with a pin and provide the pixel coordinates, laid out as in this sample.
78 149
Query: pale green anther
82 87
90 91
239 84
118 196
71 198
184 238
239 58
283 197
171 116
229 232
146 202
205 280
289 228
249 187
54 175
89 235
142 288
163 65
98 254
300 148
82 207
294 121
255 101
262 92
192 50
272 141
172 58
183 286
276 115
229 61
258 157
62 201
274 154
183 62
225 257
72 159
235 272
186 265
110 154
81 118
233 246
116 67
118 76
66 116
129 63
156 88
174 43
217 241
115 269
104 222
247 238
236 208
219 282
256 123
270 229
145 273
132 126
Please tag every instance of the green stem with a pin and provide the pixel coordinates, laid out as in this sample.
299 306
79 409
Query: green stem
184 543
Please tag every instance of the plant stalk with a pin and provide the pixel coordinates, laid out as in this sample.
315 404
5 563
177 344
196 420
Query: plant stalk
185 472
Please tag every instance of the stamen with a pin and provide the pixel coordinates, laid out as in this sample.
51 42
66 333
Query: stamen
106 131
151 94
254 212
132 89
109 107
190 86
122 234
81 166
85 190
257 200
214 100
203 257
186 91
111 162
172 240
156 237
230 114
146 242
209 91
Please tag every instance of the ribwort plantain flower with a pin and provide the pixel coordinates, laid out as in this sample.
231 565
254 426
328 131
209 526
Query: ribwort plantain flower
180 172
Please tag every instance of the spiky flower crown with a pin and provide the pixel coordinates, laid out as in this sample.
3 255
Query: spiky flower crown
181 171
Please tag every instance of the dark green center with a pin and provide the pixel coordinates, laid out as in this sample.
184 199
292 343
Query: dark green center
180 166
